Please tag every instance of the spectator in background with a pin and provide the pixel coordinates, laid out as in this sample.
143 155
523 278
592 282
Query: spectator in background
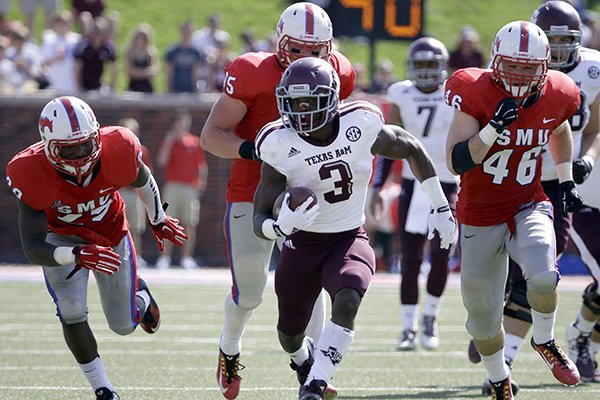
216 69
184 62
361 84
185 172
134 208
29 7
27 58
468 51
58 47
250 42
9 76
384 77
207 39
93 54
142 60
590 30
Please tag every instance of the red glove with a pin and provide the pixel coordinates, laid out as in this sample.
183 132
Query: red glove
97 258
168 229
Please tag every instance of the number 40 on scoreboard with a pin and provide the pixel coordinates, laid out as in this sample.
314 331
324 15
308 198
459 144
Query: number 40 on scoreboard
376 19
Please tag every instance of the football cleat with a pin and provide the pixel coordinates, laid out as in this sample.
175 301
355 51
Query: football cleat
151 320
563 369
594 378
104 393
579 351
303 370
227 375
407 341
486 389
428 338
313 391
501 390
472 352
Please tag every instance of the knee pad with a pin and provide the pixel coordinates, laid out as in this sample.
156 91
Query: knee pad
122 330
543 282
476 294
248 302
72 310
591 298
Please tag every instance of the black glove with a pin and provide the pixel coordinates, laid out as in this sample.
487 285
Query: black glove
570 199
581 170
506 113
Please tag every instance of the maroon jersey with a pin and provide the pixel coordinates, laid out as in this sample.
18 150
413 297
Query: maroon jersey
96 212
508 178
252 78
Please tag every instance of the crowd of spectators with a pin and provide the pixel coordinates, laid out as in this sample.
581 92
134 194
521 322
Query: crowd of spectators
77 52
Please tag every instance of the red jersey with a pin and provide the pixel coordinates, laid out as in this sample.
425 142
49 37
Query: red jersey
96 212
185 160
252 78
508 178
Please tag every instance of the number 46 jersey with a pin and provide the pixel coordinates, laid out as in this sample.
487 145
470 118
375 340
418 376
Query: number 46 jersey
508 178
337 171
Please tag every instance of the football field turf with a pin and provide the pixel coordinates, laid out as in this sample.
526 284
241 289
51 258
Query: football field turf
179 361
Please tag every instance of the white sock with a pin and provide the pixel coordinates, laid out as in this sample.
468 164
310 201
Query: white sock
233 326
300 355
317 319
94 372
334 343
512 345
143 294
543 326
432 305
584 326
495 366
408 315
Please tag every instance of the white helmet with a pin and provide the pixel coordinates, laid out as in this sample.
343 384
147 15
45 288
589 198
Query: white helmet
524 45
304 29
69 121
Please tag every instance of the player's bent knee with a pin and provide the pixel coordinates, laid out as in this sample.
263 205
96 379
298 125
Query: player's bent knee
72 310
591 298
484 326
122 330
476 294
543 282
248 303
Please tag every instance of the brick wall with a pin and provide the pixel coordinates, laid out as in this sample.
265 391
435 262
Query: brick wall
18 129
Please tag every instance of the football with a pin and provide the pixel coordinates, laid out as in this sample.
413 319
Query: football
298 195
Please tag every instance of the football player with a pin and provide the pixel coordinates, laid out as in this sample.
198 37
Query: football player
72 221
246 105
329 148
503 118
418 105
561 23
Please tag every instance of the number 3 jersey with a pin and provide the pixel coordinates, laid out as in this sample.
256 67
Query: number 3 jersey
508 178
95 212
337 171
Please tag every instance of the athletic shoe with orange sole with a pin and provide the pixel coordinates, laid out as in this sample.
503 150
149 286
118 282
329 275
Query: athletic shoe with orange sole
563 369
227 375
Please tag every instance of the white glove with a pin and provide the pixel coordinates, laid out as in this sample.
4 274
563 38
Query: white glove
442 221
290 221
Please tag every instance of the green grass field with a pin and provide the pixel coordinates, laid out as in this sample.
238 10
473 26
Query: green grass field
179 362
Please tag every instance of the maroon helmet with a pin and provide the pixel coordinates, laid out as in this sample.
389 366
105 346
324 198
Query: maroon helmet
427 62
560 19
308 95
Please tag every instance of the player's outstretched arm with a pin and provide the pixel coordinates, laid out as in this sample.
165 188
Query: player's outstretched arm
163 226
33 228
216 136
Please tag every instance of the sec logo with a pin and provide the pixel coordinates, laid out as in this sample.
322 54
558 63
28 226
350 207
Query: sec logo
353 133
